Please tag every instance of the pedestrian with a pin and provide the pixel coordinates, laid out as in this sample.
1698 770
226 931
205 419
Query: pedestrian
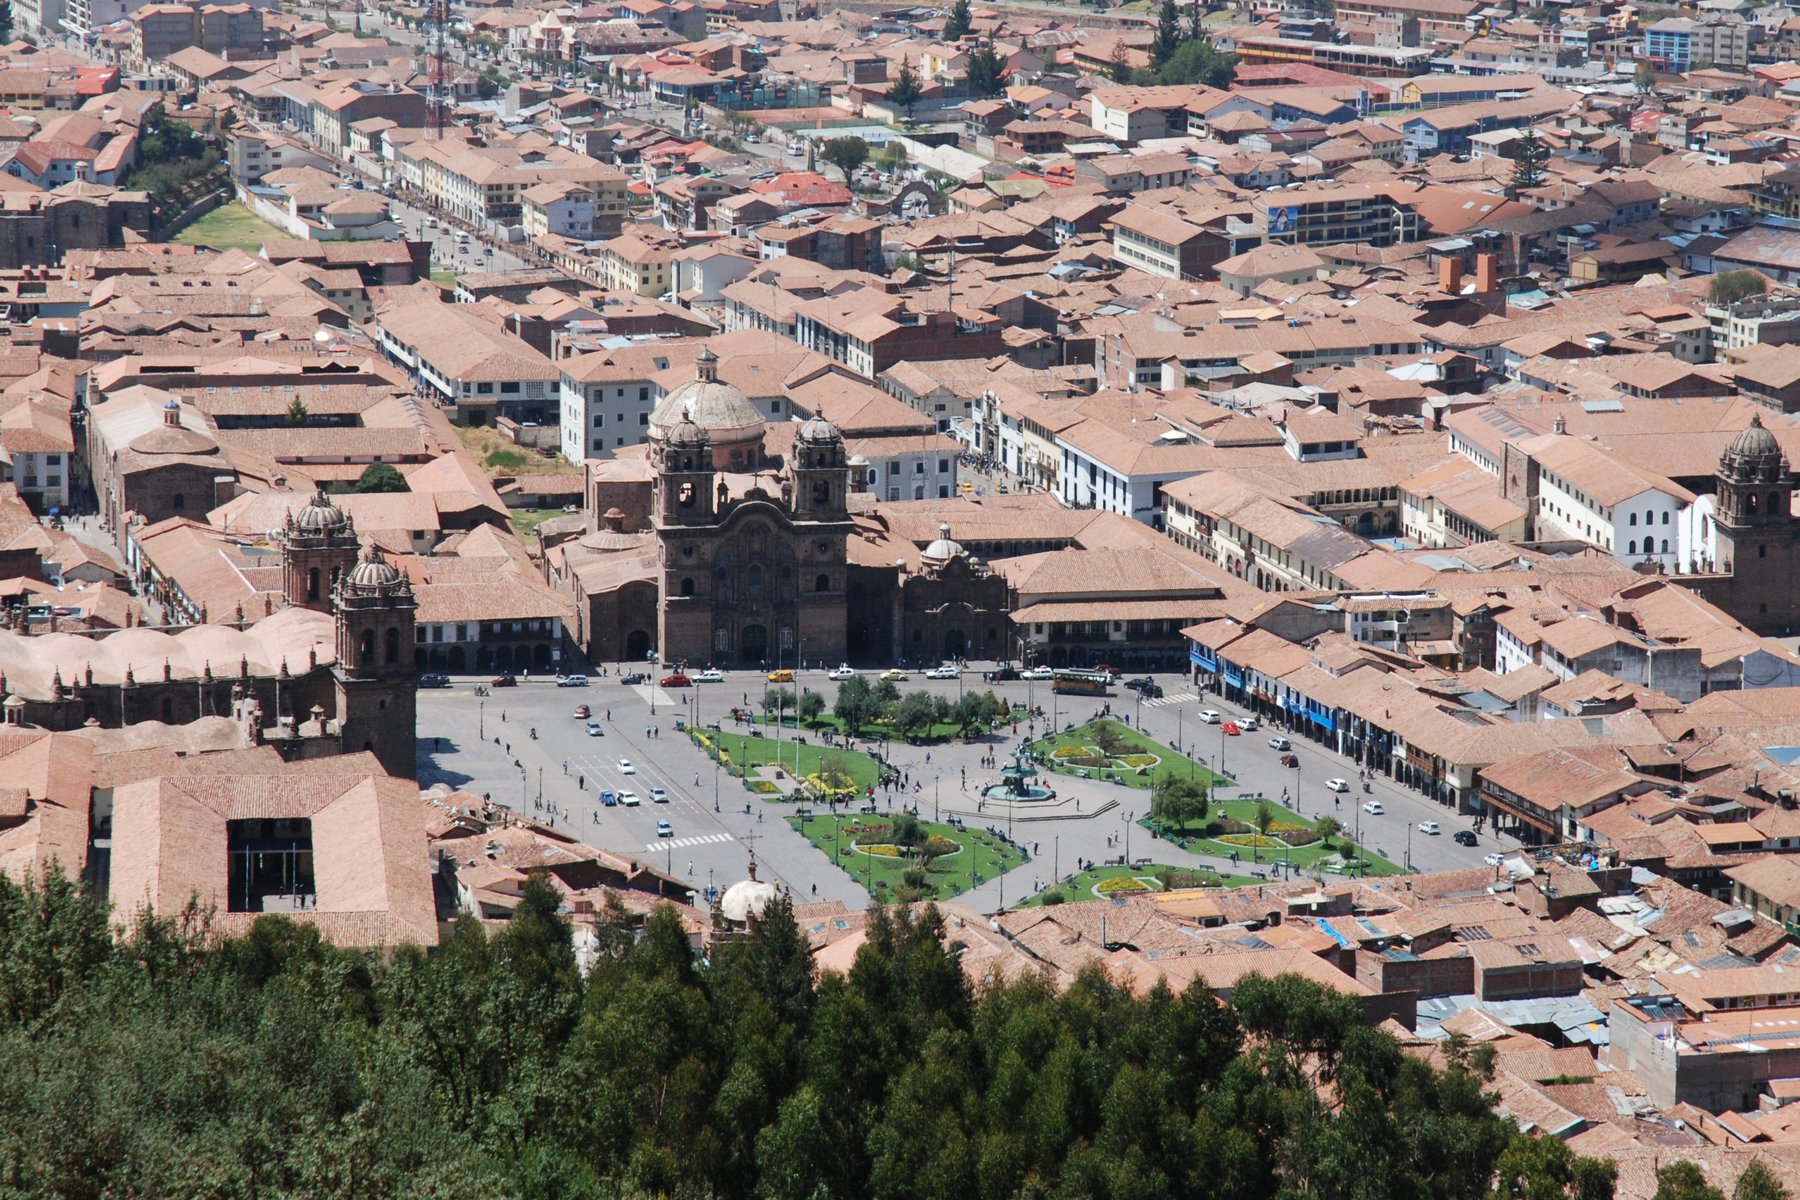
690 869
609 714
581 782
565 766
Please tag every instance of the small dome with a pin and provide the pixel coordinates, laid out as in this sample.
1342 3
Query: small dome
746 899
685 433
320 516
944 549
373 571
817 431
173 439
1755 441
723 411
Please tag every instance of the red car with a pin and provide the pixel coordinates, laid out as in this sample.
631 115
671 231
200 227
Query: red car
676 680
1230 729
1290 760
504 681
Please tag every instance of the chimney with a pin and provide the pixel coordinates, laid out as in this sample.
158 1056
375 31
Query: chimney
1450 275
1559 426
1487 273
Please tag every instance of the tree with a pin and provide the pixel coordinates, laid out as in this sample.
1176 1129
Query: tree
1683 1180
914 714
956 26
856 705
970 712
6 21
1644 78
379 477
906 90
846 154
1168 36
1731 286
777 700
1179 802
810 706
1195 61
1119 65
987 72
1529 158
1759 1183
297 413
1328 828
1264 821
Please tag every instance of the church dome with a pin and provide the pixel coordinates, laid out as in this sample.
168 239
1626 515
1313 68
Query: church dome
1755 442
818 431
373 571
745 900
944 549
723 411
320 516
686 434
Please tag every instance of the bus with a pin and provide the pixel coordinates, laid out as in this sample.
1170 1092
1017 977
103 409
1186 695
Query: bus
1073 682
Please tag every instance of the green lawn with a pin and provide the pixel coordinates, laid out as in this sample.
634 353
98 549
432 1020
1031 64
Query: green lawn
979 857
1086 885
747 752
227 226
1302 857
444 278
1083 735
877 731
526 520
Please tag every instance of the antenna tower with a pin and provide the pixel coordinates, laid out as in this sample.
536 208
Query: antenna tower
438 110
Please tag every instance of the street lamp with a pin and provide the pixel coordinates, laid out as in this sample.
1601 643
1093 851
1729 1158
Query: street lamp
1129 817
481 720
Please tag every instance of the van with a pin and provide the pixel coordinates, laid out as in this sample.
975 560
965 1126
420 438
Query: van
1210 716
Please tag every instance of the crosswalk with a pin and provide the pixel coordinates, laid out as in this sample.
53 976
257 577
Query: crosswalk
1177 698
683 843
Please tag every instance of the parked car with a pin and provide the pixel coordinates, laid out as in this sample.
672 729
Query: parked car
841 672
1280 743
1463 837
1230 729
1290 760
629 798
1140 683
664 829
1037 673
594 729
1338 785
625 767
631 677
571 681
1152 691
1430 827
1004 673
943 672
782 676
609 799
894 673
1210 716
710 677
1373 808
432 679
583 712
1494 859
676 680
504 681
659 795
1249 723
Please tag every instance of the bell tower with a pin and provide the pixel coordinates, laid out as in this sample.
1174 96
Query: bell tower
819 472
1754 488
682 459
318 544
376 670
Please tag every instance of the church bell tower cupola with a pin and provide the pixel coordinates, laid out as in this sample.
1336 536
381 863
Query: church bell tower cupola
682 458
819 471
1754 487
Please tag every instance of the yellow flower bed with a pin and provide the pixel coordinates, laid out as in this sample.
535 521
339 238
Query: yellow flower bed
1251 839
1123 885
881 850
1076 752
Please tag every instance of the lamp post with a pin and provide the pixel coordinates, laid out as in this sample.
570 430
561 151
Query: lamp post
1129 817
481 720
540 785
1222 769
715 783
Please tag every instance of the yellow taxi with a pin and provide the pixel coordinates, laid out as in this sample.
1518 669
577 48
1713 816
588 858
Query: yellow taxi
781 677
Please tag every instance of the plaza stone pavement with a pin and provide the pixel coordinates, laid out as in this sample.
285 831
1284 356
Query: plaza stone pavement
713 838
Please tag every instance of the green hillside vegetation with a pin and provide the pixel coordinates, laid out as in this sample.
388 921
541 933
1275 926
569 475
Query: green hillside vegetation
274 1066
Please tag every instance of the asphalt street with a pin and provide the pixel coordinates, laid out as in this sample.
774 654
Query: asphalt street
474 743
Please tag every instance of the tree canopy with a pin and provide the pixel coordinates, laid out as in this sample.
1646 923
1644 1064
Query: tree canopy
906 89
1195 61
845 153
275 1065
1729 287
379 477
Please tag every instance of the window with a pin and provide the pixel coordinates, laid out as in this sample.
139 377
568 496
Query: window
1762 551
312 583
1665 545
1634 517
1665 519
392 647
822 584
509 389
1631 546
755 577
643 418
599 420
178 501
687 587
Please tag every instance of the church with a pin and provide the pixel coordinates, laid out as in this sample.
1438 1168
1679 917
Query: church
731 543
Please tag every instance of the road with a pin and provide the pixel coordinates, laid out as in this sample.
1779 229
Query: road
714 833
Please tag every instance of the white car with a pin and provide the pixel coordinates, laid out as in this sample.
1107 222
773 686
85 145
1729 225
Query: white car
659 795
1037 673
625 767
1210 716
1338 785
1280 743
664 829
945 672
1248 723
841 672
1494 859
629 798
710 677
1373 808
1430 827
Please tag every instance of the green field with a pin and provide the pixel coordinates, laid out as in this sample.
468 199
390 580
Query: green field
1168 761
526 520
227 226
1085 886
1302 857
979 856
746 753
444 278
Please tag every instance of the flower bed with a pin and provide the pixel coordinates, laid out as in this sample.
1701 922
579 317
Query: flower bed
1140 761
763 787
1122 886
1074 752
881 849
1251 840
